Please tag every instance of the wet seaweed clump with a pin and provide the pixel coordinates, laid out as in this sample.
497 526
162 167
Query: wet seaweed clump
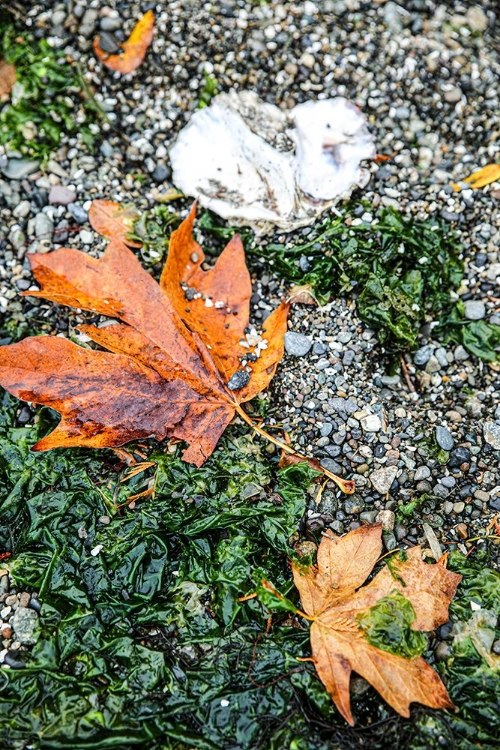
48 99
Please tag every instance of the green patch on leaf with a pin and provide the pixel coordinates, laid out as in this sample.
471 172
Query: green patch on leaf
387 625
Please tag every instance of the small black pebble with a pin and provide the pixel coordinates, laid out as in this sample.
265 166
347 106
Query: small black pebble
239 380
12 662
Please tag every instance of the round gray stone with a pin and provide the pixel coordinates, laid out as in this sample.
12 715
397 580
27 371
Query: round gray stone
297 344
475 309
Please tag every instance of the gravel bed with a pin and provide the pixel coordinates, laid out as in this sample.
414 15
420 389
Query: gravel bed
426 75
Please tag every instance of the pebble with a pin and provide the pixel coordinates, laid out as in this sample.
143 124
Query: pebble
326 429
444 438
491 433
383 478
239 380
78 212
61 196
86 237
422 355
24 624
110 23
387 518
109 43
22 210
44 227
297 344
474 309
460 353
371 423
477 18
422 472
18 169
458 456
452 96
88 23
160 173
17 238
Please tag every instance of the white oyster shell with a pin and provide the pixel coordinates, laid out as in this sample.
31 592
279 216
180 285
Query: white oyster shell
258 166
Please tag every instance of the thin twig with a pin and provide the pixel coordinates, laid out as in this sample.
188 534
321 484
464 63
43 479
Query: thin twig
406 374
346 485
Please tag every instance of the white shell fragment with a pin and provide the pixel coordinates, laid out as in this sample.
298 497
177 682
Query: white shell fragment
256 165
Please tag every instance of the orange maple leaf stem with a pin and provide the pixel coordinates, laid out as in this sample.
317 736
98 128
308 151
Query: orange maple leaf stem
346 485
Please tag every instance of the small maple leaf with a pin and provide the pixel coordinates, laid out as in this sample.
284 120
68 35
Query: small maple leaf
332 598
174 363
134 48
485 176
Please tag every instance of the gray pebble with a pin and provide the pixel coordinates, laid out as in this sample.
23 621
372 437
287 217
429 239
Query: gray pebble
43 226
382 478
18 169
78 212
444 438
461 354
448 482
297 344
422 355
350 406
474 309
320 348
108 23
88 23
106 149
17 238
160 173
491 432
108 43
24 623
330 465
61 196
422 472
322 442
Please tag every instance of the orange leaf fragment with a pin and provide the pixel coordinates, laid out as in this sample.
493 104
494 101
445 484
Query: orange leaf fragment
333 596
173 366
7 79
134 49
485 176
114 221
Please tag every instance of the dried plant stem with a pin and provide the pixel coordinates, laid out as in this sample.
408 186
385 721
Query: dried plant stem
407 377
346 485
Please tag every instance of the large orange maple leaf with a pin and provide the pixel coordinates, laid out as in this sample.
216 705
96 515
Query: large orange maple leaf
178 364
